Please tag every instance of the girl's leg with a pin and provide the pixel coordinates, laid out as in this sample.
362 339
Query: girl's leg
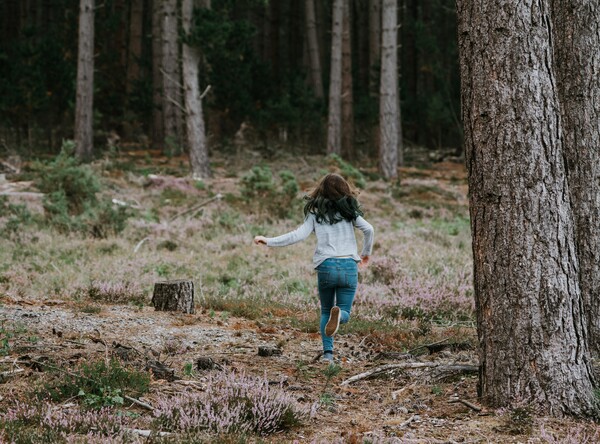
327 297
345 293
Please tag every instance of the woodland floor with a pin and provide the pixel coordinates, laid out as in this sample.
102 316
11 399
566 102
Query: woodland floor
48 312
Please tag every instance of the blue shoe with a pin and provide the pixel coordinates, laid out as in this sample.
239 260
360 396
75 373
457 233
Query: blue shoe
327 357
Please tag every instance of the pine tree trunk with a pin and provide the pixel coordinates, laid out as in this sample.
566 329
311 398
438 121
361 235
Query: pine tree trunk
316 74
196 137
530 321
334 130
136 24
171 74
361 42
389 115
576 33
374 45
84 102
347 93
158 133
174 296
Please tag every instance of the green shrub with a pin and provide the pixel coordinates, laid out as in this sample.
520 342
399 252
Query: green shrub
98 384
71 203
18 217
273 197
348 171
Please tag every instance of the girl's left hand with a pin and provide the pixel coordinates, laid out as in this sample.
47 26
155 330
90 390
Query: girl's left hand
258 240
364 261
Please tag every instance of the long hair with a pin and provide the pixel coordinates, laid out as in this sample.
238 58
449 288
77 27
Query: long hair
332 201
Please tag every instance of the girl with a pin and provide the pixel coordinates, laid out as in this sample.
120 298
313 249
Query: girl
332 212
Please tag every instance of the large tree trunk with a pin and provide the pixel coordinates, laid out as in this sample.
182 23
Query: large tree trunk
347 93
313 49
171 74
158 133
196 137
334 123
576 32
84 102
530 323
389 112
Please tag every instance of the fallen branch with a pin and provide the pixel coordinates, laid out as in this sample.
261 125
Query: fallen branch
429 345
467 403
407 422
10 373
409 366
147 433
21 193
10 167
384 368
138 402
196 207
139 244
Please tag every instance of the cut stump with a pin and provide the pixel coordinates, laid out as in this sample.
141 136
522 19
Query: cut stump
174 296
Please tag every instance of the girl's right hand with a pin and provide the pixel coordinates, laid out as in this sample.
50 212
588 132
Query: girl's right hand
258 240
364 261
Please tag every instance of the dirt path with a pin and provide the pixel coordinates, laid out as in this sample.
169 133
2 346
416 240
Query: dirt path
410 405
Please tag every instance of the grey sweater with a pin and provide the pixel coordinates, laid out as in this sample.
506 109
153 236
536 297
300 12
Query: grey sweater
332 240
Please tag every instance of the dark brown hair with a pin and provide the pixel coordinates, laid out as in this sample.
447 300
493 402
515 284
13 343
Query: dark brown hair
333 200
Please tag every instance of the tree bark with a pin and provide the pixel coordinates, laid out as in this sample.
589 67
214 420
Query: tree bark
389 113
174 296
347 86
194 119
530 323
576 33
334 123
316 74
171 74
84 102
158 133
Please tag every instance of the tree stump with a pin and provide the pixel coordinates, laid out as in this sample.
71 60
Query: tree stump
174 296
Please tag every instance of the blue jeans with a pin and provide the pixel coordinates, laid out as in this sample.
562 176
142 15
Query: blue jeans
337 282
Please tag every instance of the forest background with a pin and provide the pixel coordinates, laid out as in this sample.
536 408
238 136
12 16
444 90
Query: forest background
255 59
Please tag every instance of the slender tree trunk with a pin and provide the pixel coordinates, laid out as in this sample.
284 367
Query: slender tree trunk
120 36
531 328
171 73
389 113
334 130
196 137
316 74
136 25
576 33
361 42
374 45
274 54
158 132
411 65
84 102
347 93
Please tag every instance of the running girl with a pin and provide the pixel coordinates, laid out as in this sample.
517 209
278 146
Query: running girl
332 212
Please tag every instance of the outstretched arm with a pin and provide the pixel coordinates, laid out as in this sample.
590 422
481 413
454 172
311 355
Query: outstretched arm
299 234
368 233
